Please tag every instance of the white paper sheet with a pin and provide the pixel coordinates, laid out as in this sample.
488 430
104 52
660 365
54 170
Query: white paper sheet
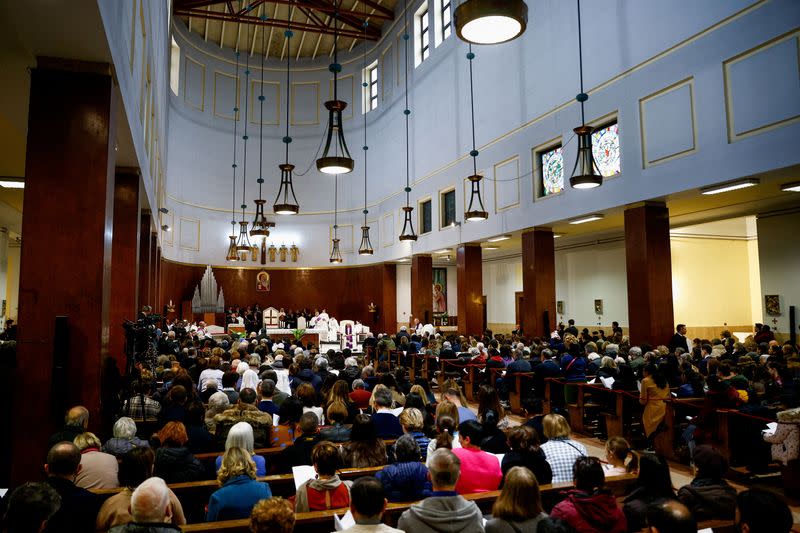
275 419
499 457
345 522
607 382
3 493
396 412
771 428
302 474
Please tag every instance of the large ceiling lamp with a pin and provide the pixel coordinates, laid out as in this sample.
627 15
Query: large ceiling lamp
336 254
475 211
286 201
243 245
260 226
491 21
585 175
366 245
233 254
408 224
336 157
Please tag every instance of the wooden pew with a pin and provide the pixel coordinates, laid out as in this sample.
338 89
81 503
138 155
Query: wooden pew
319 520
515 396
472 382
575 410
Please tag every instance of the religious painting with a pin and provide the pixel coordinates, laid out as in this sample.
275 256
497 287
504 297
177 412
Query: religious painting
262 281
560 307
272 252
772 304
283 251
439 291
598 307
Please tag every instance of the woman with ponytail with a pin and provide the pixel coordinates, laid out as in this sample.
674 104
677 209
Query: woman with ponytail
620 459
447 428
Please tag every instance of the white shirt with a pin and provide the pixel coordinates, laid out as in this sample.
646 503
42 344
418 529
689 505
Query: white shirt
432 447
377 528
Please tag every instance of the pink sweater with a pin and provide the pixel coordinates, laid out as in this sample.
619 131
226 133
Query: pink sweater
480 471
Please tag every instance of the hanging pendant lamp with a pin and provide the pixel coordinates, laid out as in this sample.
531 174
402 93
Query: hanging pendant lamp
336 254
366 245
407 234
243 245
585 175
335 157
286 201
233 253
475 211
490 21
260 226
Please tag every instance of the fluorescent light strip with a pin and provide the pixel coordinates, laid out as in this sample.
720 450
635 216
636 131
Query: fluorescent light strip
791 187
12 184
557 235
442 251
730 186
587 218
491 247
499 238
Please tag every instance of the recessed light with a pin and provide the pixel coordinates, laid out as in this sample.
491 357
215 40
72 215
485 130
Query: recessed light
730 186
791 187
166 227
586 218
442 251
557 235
491 247
12 184
499 238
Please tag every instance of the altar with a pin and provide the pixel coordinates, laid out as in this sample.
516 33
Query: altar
322 330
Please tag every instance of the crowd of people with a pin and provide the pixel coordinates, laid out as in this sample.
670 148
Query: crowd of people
423 439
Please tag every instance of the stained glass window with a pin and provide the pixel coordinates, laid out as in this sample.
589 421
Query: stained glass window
605 148
552 165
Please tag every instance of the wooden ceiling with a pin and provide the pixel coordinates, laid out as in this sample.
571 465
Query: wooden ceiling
257 26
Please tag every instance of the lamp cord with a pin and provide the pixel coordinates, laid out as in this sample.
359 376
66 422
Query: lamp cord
580 62
244 137
368 97
471 56
288 74
235 137
261 120
406 110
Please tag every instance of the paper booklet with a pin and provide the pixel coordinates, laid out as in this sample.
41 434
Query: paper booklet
772 427
607 382
345 522
302 474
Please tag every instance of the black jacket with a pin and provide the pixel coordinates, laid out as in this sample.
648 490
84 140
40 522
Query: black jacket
535 462
78 510
178 465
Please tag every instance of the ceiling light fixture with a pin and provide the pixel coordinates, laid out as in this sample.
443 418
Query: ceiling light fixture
585 175
557 235
442 251
730 186
791 187
491 21
286 201
261 226
163 210
491 247
366 245
243 245
166 227
407 234
336 157
586 218
233 254
336 254
499 238
12 184
475 211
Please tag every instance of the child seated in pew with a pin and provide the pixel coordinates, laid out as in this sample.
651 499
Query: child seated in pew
618 451
327 491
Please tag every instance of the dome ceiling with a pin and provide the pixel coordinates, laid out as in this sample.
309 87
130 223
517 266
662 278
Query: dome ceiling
240 25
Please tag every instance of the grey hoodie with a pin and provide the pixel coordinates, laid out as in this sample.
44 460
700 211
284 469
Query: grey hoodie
442 514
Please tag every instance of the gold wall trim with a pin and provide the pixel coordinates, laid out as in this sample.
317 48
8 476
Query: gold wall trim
687 82
238 89
188 59
254 92
296 84
193 221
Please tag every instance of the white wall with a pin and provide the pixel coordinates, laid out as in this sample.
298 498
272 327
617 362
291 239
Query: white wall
778 257
501 279
403 293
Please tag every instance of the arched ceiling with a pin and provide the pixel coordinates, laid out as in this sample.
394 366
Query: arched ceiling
241 25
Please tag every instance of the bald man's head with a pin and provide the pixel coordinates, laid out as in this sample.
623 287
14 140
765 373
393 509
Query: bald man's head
63 460
150 502
670 516
77 416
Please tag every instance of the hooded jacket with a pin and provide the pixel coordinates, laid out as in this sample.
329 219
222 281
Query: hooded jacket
591 513
322 494
442 514
786 438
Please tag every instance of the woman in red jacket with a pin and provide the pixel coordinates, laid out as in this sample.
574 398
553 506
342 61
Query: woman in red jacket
589 508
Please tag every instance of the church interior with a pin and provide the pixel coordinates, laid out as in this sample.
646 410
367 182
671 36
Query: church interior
445 194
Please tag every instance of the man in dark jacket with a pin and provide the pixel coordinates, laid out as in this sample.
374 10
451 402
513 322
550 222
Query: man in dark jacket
30 506
679 340
299 453
75 423
387 426
708 496
79 507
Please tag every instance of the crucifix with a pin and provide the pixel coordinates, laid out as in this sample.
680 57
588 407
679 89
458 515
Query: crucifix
774 322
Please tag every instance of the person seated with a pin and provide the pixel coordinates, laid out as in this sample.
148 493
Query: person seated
174 462
786 438
709 496
151 509
670 516
218 403
274 515
245 410
367 505
305 393
589 508
406 480
365 448
29 508
239 491
289 416
444 509
561 451
337 431
229 382
653 485
98 469
299 453
124 439
327 491
267 391
200 440
620 459
480 470
447 433
387 426
464 413
360 395
134 467
78 506
241 436
526 451
75 422
518 509
413 422
759 511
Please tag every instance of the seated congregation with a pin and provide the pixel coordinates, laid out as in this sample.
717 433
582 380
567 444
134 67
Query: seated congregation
215 438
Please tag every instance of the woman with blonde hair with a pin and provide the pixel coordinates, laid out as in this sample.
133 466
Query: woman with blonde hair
239 491
98 469
560 450
518 509
274 515
618 452
417 389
